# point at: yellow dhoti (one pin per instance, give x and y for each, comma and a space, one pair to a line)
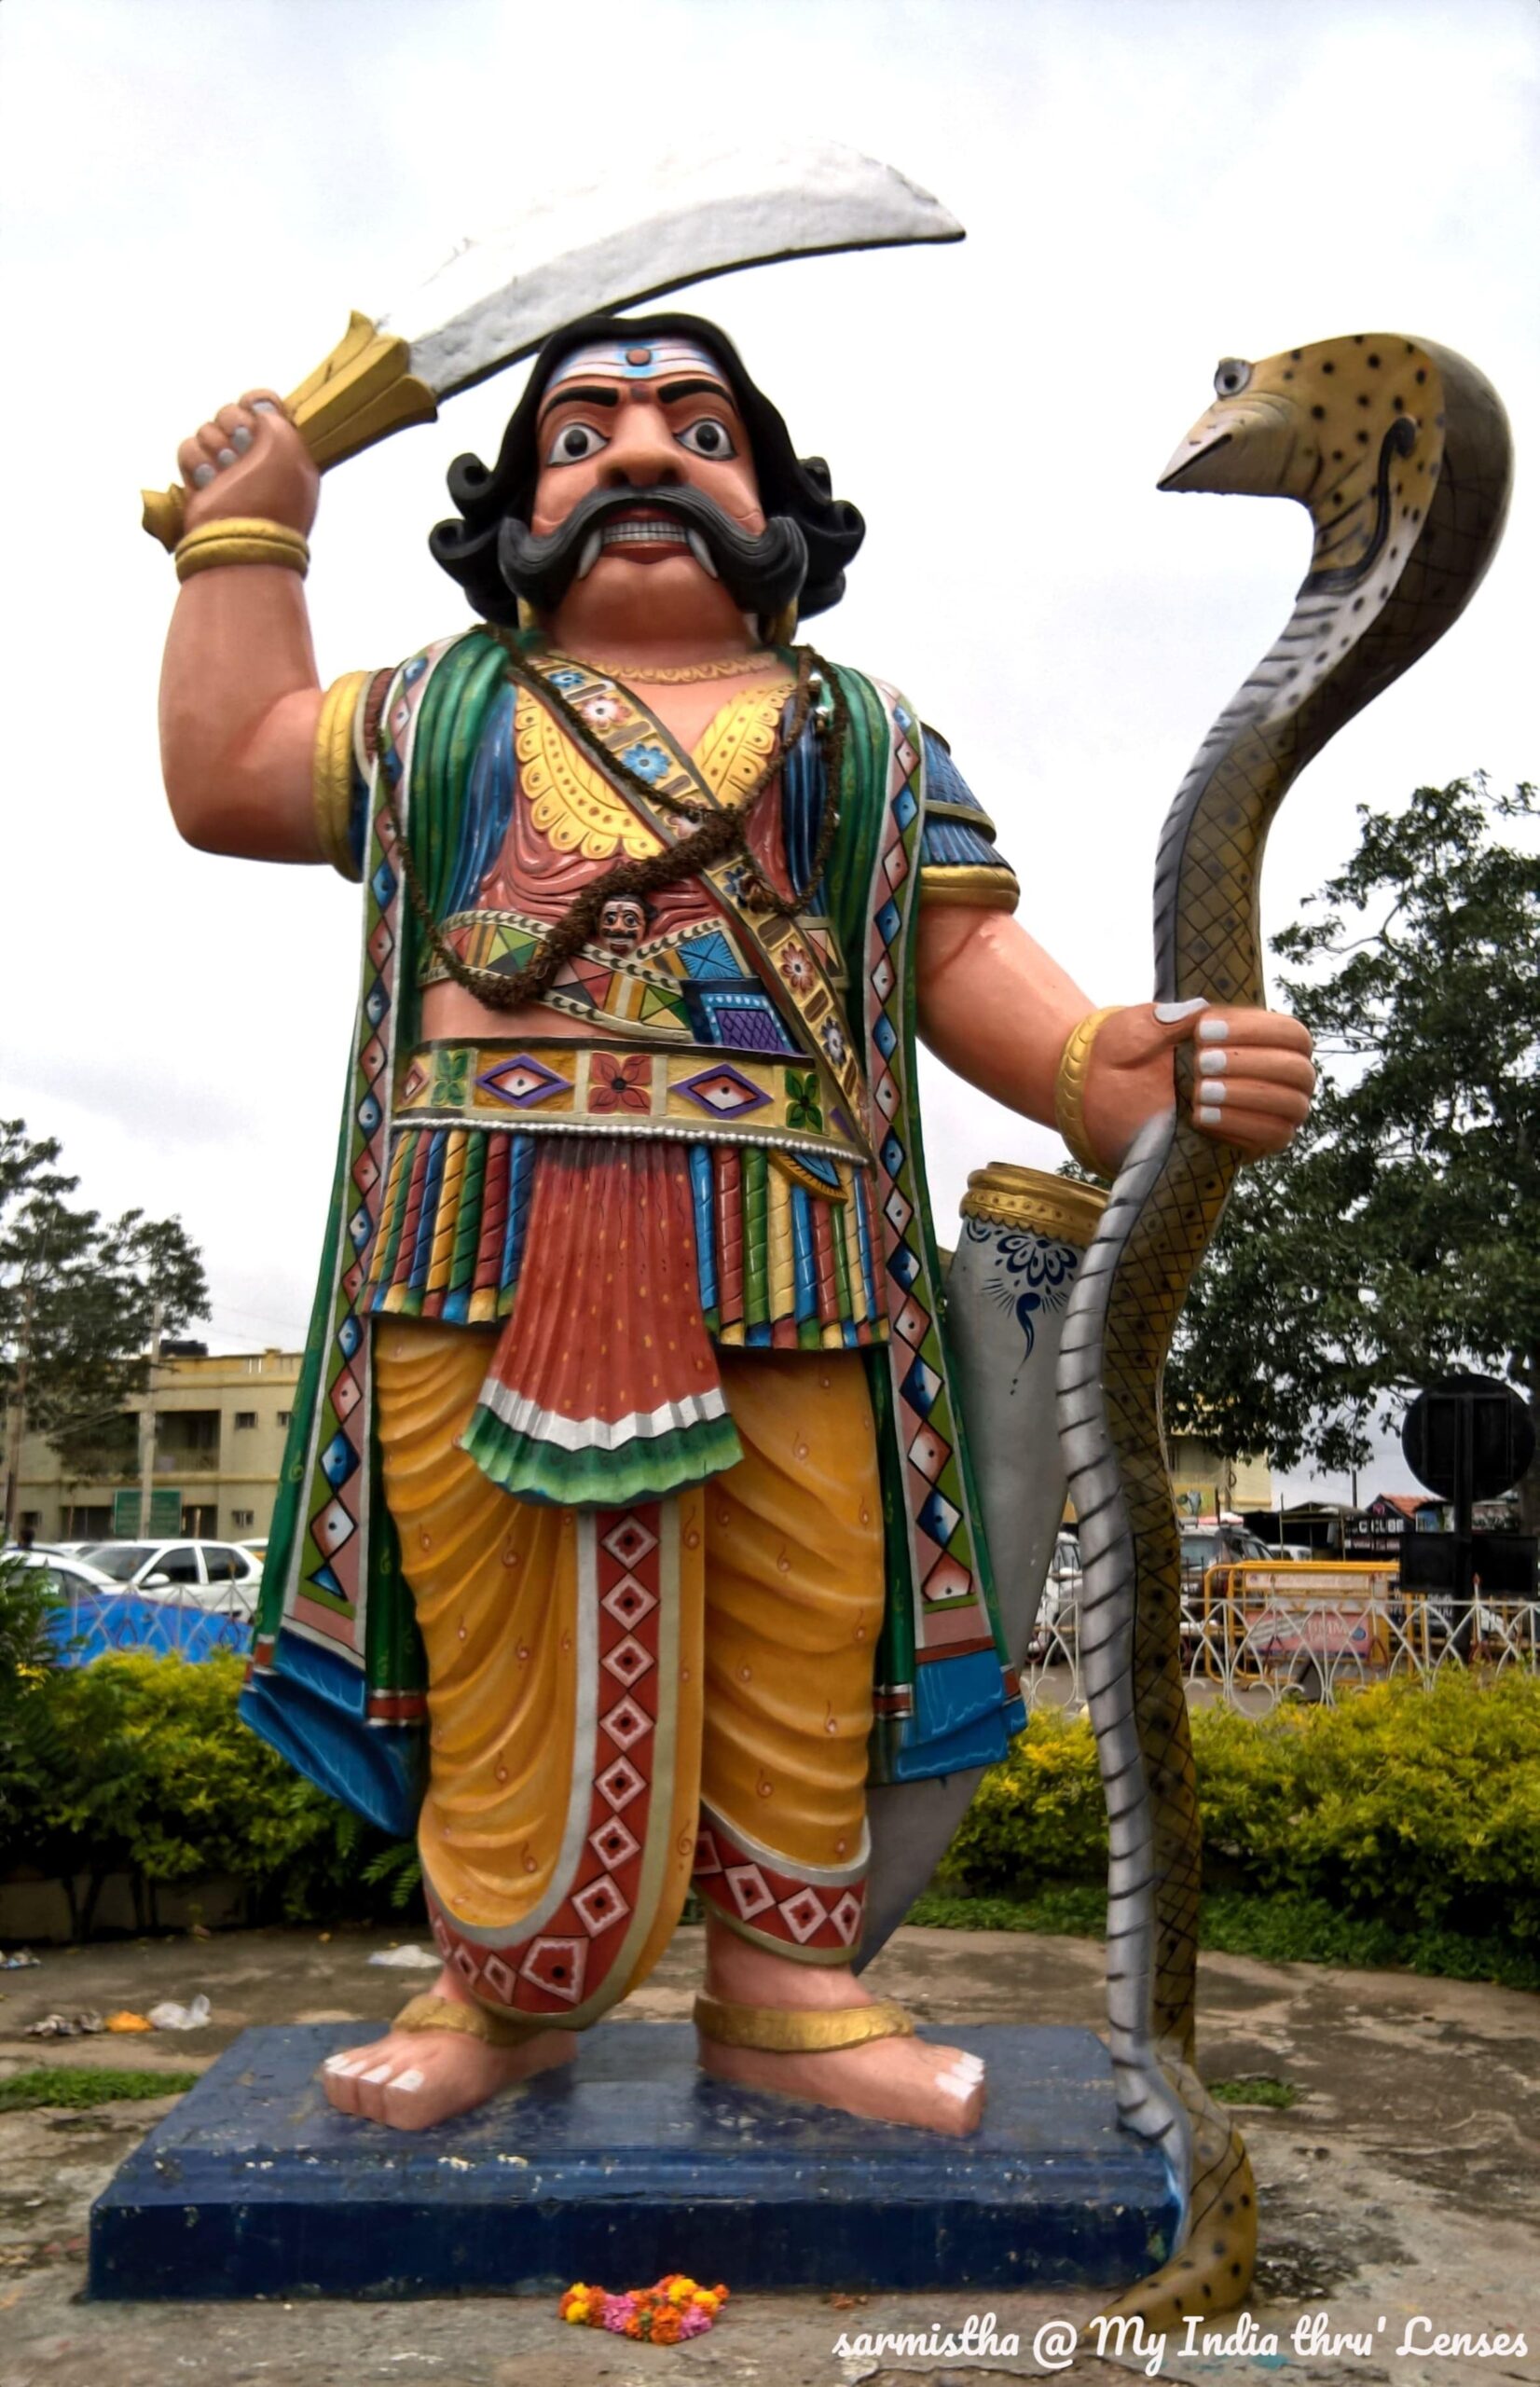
620, 1699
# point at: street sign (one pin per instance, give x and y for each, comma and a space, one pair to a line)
165, 1514
1468, 1438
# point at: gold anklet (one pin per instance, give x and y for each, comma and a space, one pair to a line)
430, 2012
800, 2030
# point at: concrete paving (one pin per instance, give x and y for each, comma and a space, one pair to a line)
1404, 2182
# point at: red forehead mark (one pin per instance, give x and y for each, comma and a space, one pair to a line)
639, 356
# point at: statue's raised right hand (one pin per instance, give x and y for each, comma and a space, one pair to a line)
250, 461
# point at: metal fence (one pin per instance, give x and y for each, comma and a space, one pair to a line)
1252, 1640
102, 1624
1244, 1641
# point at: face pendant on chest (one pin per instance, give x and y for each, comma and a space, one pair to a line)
622, 925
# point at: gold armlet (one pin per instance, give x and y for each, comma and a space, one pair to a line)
433, 2013
1070, 1088
332, 772
241, 539
978, 887
797, 2030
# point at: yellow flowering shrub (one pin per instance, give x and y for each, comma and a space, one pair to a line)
1420, 1807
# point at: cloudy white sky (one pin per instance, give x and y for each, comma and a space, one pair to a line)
195, 195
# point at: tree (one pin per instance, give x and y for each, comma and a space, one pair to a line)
1399, 1237
79, 1299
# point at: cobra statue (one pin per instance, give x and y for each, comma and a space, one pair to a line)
1401, 452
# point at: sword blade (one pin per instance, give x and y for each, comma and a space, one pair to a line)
638, 235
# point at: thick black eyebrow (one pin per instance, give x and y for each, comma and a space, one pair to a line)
669, 393
588, 394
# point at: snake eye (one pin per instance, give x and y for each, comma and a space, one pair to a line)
1232, 376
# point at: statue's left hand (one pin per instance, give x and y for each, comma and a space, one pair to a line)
1252, 1080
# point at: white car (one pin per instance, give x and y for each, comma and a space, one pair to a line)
1059, 1610
217, 1576
69, 1576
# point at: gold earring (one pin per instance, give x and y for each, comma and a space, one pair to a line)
781, 628
527, 617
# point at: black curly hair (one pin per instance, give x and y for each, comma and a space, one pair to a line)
792, 486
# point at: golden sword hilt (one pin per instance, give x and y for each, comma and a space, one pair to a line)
361, 393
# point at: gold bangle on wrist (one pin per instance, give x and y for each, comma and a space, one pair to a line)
1070, 1088
241, 539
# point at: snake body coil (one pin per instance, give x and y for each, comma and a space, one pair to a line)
1401, 452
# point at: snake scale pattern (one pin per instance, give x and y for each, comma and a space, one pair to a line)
1401, 450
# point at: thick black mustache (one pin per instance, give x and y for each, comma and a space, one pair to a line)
761, 574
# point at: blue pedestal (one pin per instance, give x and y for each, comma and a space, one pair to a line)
626, 2165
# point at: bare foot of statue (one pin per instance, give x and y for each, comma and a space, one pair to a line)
411, 2079
898, 2079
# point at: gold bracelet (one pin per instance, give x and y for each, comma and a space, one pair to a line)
331, 773
241, 539
1070, 1088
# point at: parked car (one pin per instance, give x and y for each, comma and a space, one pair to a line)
217, 1575
1206, 1546
69, 1576
1059, 1609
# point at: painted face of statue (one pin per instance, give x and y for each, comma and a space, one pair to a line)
622, 925
648, 486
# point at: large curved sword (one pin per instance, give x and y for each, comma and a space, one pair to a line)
1401, 452
650, 231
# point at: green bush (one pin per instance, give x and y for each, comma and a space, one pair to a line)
1404, 1821
155, 1774
31, 1753
1417, 1809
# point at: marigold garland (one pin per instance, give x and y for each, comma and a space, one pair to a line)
675, 2309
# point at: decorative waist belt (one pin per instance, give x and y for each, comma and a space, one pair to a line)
775, 1265
560, 1086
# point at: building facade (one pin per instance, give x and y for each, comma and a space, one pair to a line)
1208, 1486
220, 1424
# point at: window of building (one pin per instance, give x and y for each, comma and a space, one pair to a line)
245, 1418
242, 1518
88, 1521
187, 1438
285, 1416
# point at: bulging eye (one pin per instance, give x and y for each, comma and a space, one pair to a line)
575, 443
708, 437
1231, 377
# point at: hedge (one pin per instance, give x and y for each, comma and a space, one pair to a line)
1419, 1810
1416, 1808
140, 1765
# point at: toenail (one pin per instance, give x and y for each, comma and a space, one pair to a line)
338, 2063
954, 2084
410, 2080
380, 2071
